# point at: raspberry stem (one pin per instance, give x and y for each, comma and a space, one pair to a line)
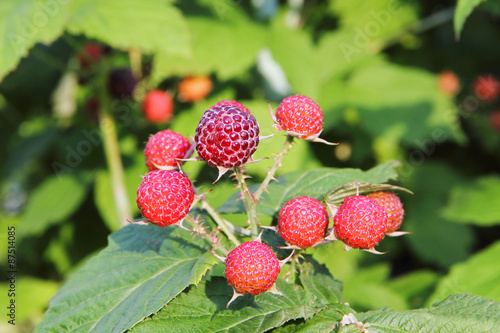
249, 201
220, 222
112, 152
277, 163
198, 229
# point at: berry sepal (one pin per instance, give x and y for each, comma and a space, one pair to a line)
398, 233
140, 221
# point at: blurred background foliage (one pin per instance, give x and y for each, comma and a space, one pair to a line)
373, 66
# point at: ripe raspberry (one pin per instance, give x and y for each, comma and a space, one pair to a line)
165, 196
158, 106
486, 88
303, 222
121, 83
252, 268
233, 103
360, 222
194, 88
165, 148
448, 83
393, 208
300, 116
226, 136
89, 54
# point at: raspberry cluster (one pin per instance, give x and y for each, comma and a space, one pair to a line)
226, 137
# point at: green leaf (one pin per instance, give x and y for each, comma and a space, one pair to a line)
28, 150
314, 183
475, 203
203, 309
368, 289
415, 286
324, 321
463, 10
148, 25
434, 239
292, 49
479, 275
142, 269
403, 104
52, 202
227, 47
25, 23
457, 313
320, 286
374, 20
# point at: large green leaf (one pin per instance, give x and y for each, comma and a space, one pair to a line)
479, 275
52, 202
25, 23
293, 49
314, 183
320, 286
415, 286
374, 20
148, 25
404, 101
463, 10
434, 239
457, 313
369, 289
324, 321
142, 269
476, 203
203, 309
227, 47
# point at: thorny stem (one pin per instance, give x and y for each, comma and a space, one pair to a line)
249, 201
277, 162
112, 151
291, 273
201, 231
220, 222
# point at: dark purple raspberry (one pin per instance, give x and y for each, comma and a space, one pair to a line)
226, 136
121, 83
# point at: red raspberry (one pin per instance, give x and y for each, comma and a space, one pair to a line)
303, 222
448, 83
89, 54
165, 196
158, 106
300, 116
226, 136
252, 268
360, 222
486, 88
165, 148
393, 208
233, 103
194, 88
